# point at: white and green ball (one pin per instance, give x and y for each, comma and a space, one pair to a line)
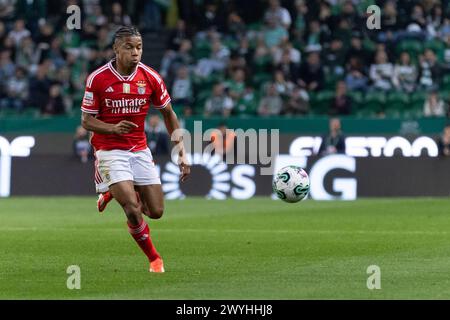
291, 184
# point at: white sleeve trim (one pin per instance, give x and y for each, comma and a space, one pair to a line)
164, 105
89, 111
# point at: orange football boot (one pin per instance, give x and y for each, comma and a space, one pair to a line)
157, 266
103, 199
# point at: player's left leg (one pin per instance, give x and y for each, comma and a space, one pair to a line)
102, 189
148, 185
153, 198
103, 199
105, 196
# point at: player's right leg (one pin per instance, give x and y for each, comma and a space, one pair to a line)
153, 196
104, 196
125, 195
115, 169
148, 186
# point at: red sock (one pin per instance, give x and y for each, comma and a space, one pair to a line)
141, 234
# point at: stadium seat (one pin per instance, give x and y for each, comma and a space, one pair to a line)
396, 103
444, 94
445, 83
437, 46
320, 101
202, 49
365, 113
246, 108
373, 103
413, 47
262, 64
413, 113
256, 26
369, 45
417, 100
208, 82
331, 79
261, 78
202, 96
336, 9
414, 108
231, 44
357, 100
418, 96
362, 5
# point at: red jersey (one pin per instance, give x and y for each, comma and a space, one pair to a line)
113, 98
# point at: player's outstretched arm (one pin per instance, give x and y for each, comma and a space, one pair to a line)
89, 122
172, 124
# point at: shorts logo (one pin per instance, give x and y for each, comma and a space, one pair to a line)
141, 86
126, 88
105, 173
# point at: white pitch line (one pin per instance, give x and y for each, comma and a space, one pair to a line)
387, 232
345, 232
19, 229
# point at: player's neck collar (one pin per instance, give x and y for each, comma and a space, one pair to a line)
118, 75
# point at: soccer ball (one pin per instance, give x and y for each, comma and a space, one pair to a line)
291, 184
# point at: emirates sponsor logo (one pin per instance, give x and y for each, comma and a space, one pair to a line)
136, 102
126, 105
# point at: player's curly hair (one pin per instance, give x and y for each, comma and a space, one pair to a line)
126, 31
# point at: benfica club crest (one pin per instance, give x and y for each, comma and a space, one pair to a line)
141, 86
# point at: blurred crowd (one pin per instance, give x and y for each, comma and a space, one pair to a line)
43, 65
317, 56
238, 57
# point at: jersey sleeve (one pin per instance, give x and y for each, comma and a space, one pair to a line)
160, 97
91, 98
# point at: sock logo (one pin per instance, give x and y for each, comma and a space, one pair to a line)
143, 238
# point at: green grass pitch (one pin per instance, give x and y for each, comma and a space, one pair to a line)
256, 249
